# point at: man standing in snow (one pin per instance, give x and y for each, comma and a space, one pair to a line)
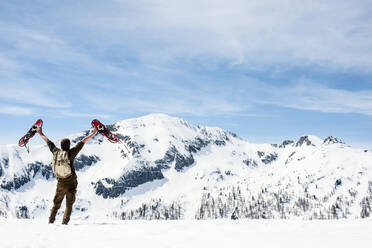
63, 167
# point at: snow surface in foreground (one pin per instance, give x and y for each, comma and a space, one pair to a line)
187, 233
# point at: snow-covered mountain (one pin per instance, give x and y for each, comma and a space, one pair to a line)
176, 170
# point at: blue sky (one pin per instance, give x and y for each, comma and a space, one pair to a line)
266, 70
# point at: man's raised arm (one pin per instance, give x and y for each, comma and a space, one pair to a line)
86, 139
39, 130
51, 145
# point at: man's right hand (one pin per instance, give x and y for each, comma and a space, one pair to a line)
95, 130
39, 130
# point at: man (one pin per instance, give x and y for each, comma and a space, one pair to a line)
65, 186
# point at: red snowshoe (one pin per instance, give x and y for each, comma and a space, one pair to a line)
24, 140
102, 129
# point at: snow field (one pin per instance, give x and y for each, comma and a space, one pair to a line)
187, 233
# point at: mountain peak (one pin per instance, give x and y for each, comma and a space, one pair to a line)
152, 116
309, 140
160, 116
285, 143
332, 140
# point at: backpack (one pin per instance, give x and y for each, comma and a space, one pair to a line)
61, 164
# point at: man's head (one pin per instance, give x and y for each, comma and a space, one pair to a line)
65, 144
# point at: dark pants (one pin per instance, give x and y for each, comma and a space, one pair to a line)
65, 187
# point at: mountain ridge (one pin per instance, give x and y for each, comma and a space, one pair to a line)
178, 170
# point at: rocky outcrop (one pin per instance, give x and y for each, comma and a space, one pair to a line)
267, 158
196, 145
132, 145
4, 164
173, 155
28, 174
332, 140
250, 162
110, 188
286, 143
304, 140
168, 158
85, 161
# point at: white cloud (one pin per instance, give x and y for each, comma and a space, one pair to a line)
310, 96
69, 113
30, 45
7, 64
201, 107
155, 34
166, 97
197, 105
334, 34
33, 93
16, 110
255, 33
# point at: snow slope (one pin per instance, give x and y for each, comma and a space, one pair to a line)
175, 170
